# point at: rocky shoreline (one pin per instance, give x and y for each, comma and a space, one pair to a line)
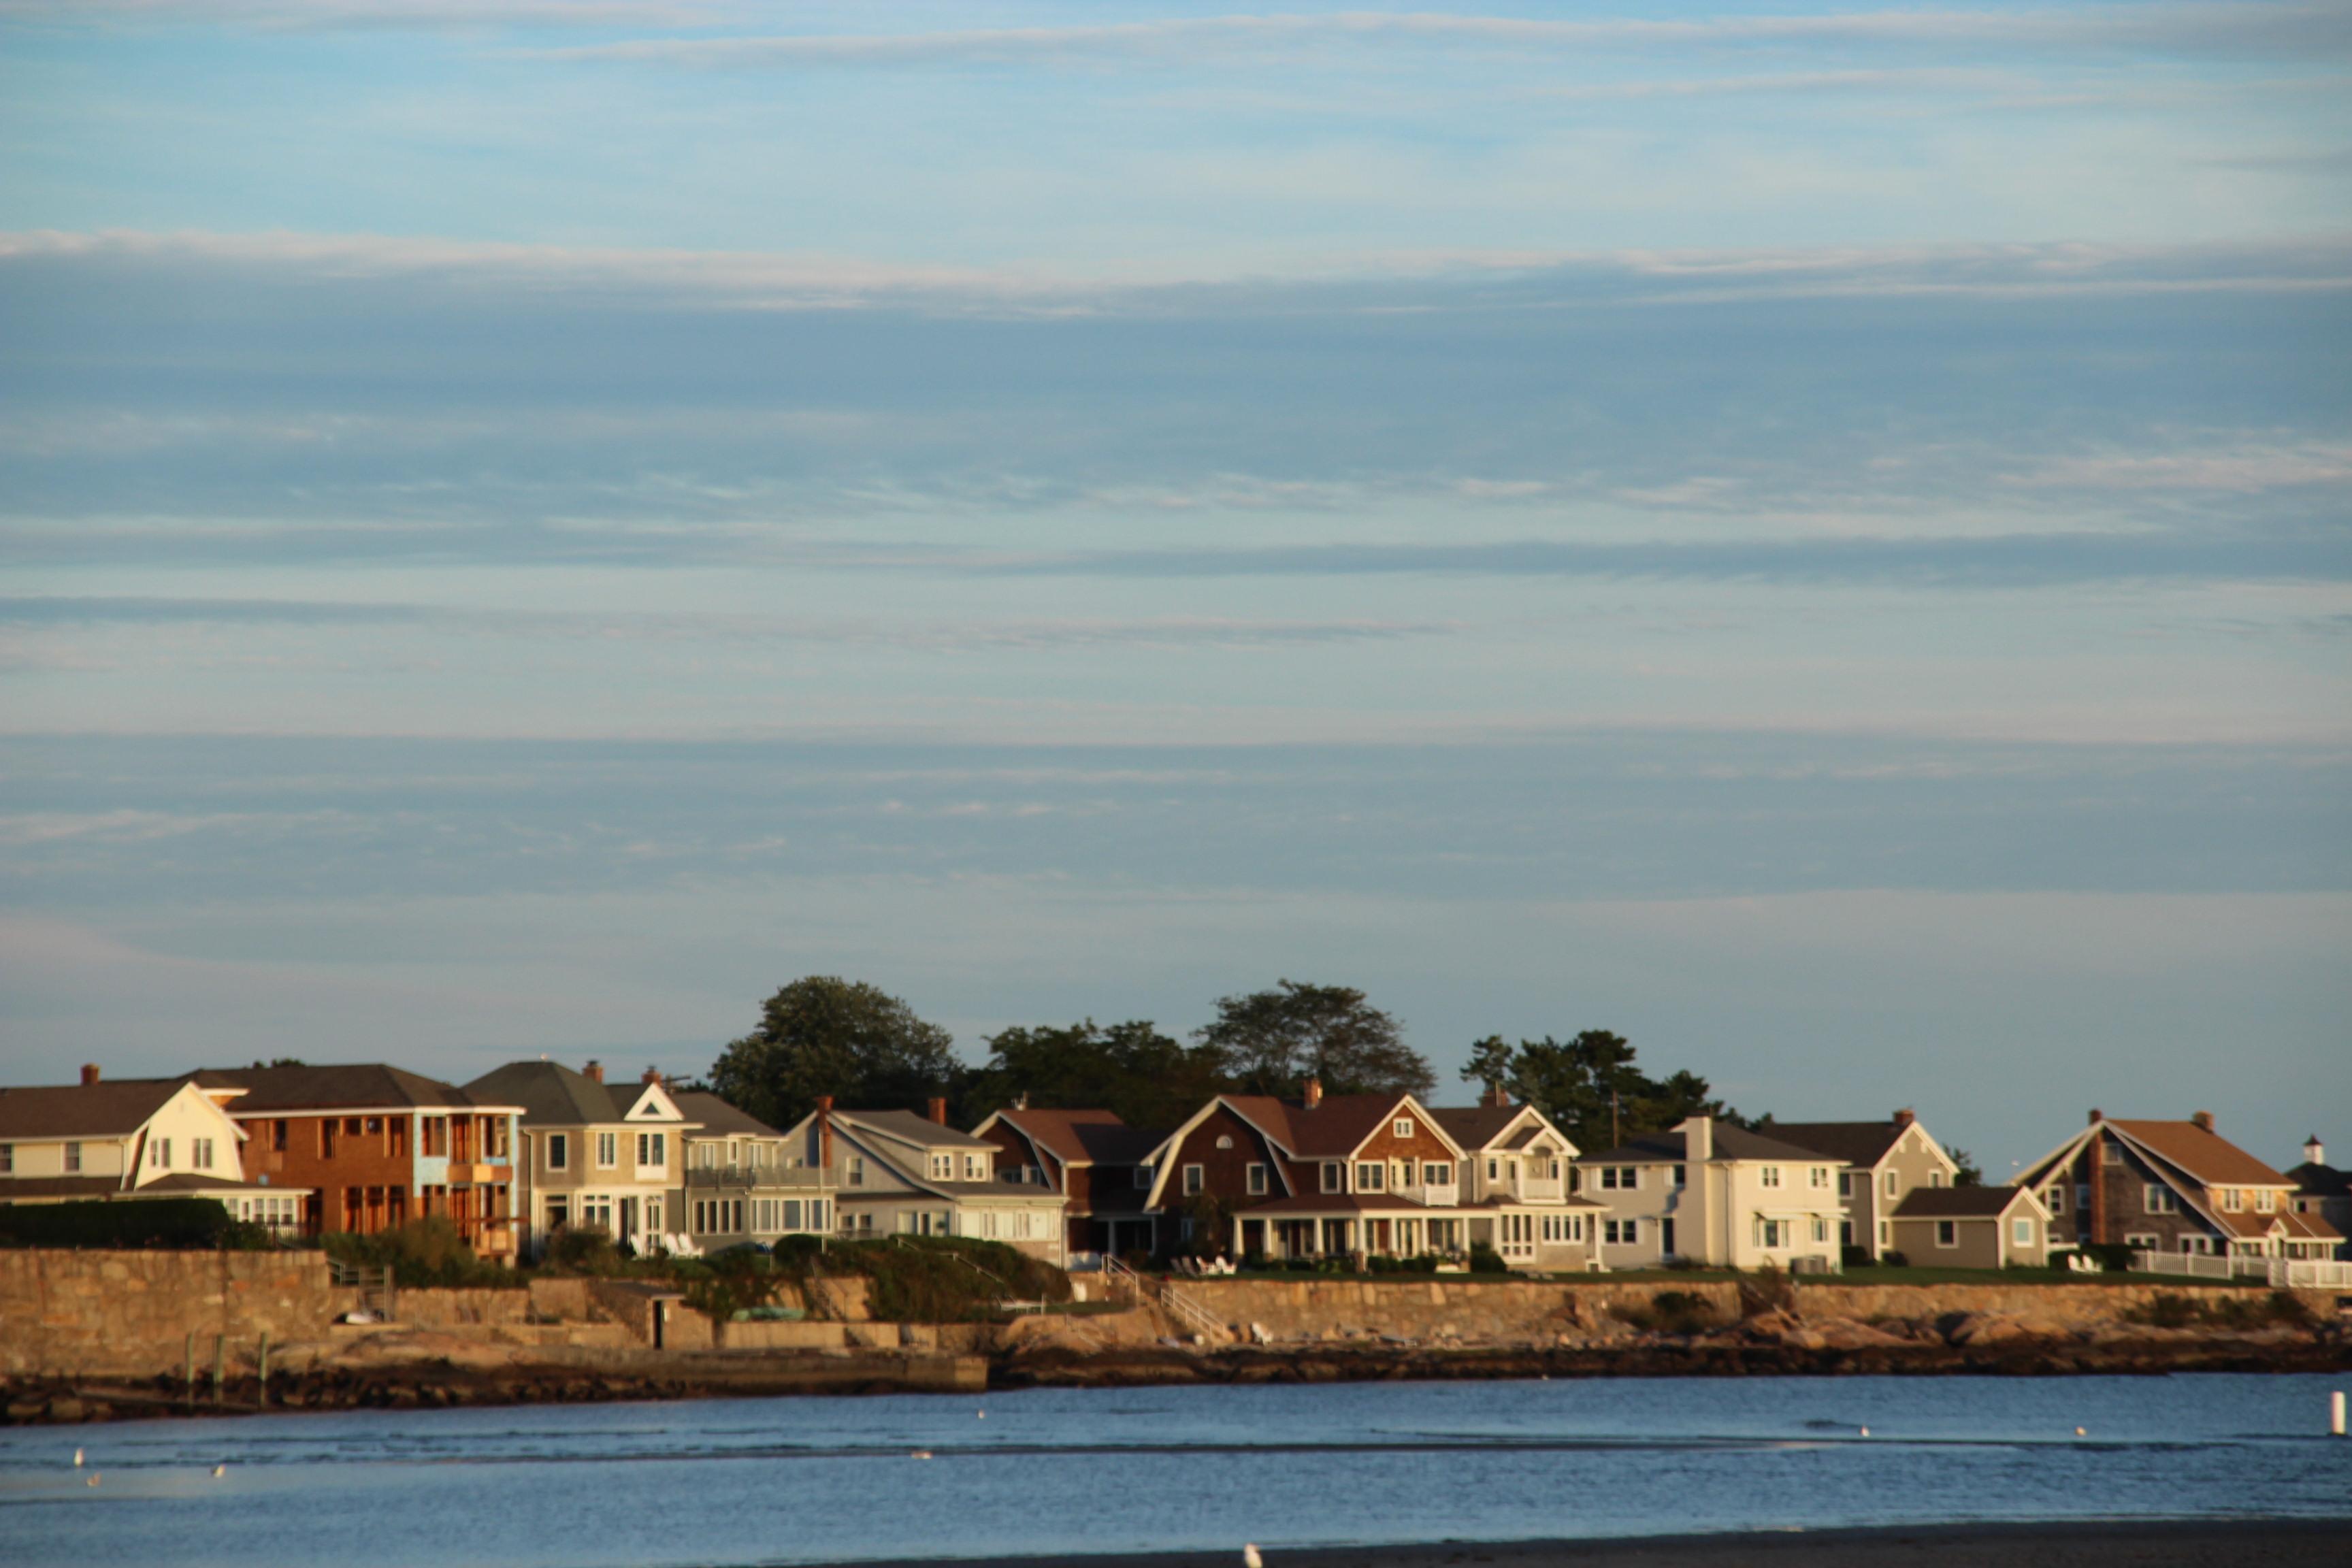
427, 1370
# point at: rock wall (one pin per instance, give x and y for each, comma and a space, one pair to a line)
74, 1313
1482, 1311
2091, 1304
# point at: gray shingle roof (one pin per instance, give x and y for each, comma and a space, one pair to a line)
1860, 1143
82, 1110
271, 1090
551, 1094
717, 1116
913, 1129
1957, 1203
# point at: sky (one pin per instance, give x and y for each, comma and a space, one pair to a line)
1815, 539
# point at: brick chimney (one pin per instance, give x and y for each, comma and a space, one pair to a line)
1313, 1092
2203, 1121
824, 1132
2097, 1116
1497, 1096
939, 1110
595, 1072
89, 1073
2314, 1152
653, 1076
1903, 1118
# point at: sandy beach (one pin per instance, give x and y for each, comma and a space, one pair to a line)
2196, 1544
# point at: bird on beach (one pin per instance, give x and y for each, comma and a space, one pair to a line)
1866, 1431
920, 1453
93, 1480
2080, 1433
76, 1459
219, 1471
1250, 1559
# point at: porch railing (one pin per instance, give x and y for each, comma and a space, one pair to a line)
2279, 1273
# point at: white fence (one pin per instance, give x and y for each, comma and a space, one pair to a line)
2279, 1273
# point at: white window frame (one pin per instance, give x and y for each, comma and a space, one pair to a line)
1437, 1174
2020, 1232
653, 1151
1402, 1126
608, 1151
1893, 1184
2265, 1201
1254, 1178
1372, 1175
1947, 1233
1196, 1180
942, 1168
1335, 1176
2155, 1197
557, 1151
1768, 1175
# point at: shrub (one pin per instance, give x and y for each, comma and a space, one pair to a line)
583, 1250
1896, 1260
1485, 1260
424, 1252
1854, 1256
1668, 1311
183, 1224
940, 1280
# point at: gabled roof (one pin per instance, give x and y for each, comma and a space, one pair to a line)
1731, 1144
272, 1089
1082, 1137
1474, 1126
2205, 1155
551, 1094
1333, 1129
909, 1128
1960, 1203
718, 1117
1861, 1145
82, 1110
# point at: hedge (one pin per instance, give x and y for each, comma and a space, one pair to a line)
177, 1223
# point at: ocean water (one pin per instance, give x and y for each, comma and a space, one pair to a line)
1041, 1472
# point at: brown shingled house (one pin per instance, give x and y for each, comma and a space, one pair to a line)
1099, 1164
1973, 1227
2173, 1187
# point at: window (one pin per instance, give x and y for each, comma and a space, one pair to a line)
327, 1125
1254, 1178
559, 1150
2082, 1196
2110, 1153
2232, 1199
1947, 1233
1893, 1185
278, 1136
1620, 1178
1403, 1126
2057, 1196
2156, 1198
1335, 1176
1769, 1175
1845, 1233
1196, 1180
1681, 1176
2020, 1232
158, 1153
1821, 1228
7, 1157
973, 1170
73, 1157
1821, 1177
1225, 1140
856, 1177
200, 1150
653, 1149
1935, 1178
1620, 1232
2264, 1201
608, 1150
1372, 1177
1771, 1233
942, 1167
1437, 1175
1142, 1178
437, 1138
1845, 1184
1494, 1169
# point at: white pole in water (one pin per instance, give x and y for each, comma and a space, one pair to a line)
2336, 1413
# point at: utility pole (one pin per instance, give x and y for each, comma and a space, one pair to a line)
1616, 1139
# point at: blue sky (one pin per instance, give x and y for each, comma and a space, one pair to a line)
1813, 538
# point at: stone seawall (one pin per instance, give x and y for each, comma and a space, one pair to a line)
70, 1313
1434, 1309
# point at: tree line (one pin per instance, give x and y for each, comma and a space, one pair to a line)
826, 1035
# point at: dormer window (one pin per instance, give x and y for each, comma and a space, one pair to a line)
1403, 1127
942, 1167
2232, 1200
973, 1170
2265, 1201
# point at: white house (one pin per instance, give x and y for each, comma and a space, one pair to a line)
1718, 1196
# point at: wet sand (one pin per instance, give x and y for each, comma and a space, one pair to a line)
2199, 1543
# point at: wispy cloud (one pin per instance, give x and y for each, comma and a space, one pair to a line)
2292, 31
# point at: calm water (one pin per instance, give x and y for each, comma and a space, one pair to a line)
797, 1480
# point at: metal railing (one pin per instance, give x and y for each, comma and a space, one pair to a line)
1186, 1310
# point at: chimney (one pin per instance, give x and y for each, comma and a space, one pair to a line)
89, 1073
1903, 1118
938, 1111
1312, 1092
824, 1132
2097, 1116
2203, 1121
653, 1076
1497, 1096
1698, 1139
1021, 1100
2314, 1152
595, 1072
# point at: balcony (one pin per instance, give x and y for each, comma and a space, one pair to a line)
757, 1178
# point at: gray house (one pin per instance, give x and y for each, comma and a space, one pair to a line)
893, 1173
1885, 1161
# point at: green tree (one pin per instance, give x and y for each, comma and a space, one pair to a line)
1591, 1087
1147, 1078
823, 1035
1272, 1042
1970, 1174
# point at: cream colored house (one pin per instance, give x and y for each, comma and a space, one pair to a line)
1515, 1186
1885, 1163
895, 1173
144, 1138
743, 1181
1718, 1196
594, 1157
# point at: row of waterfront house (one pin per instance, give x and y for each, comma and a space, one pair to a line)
534, 1149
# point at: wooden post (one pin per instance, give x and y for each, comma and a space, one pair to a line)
2336, 1413
220, 1367
188, 1373
261, 1370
